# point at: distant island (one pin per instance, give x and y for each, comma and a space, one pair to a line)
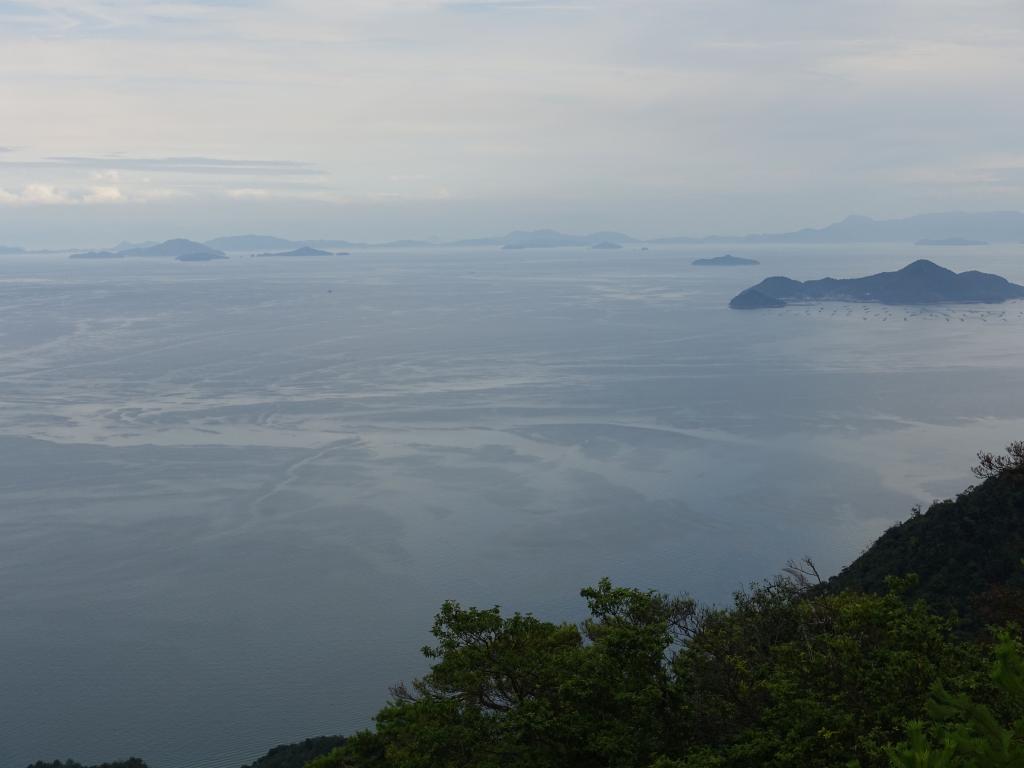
725, 261
547, 238
606, 245
922, 282
951, 241
173, 249
96, 255
201, 256
303, 251
950, 228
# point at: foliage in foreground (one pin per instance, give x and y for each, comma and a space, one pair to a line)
793, 674
131, 762
298, 754
782, 679
963, 733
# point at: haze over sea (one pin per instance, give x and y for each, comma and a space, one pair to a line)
241, 489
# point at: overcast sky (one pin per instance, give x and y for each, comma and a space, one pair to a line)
379, 119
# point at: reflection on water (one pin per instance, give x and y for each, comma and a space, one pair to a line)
235, 493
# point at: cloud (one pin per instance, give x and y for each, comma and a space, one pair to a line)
209, 165
102, 195
515, 5
49, 195
660, 115
249, 193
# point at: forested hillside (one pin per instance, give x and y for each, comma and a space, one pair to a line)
965, 552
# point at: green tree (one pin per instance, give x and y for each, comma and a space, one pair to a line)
790, 679
964, 733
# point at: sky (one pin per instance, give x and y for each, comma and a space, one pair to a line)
386, 119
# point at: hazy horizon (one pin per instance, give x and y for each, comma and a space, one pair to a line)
950, 229
238, 489
444, 119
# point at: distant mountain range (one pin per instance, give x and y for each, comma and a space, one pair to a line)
922, 282
953, 228
932, 229
994, 226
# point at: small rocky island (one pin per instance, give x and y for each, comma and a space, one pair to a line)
922, 282
303, 251
200, 256
725, 261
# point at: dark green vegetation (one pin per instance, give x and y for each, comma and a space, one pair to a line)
966, 552
131, 762
911, 657
298, 754
964, 732
922, 282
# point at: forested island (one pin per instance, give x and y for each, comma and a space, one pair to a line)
921, 282
911, 657
303, 251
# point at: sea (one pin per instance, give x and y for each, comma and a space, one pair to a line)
234, 494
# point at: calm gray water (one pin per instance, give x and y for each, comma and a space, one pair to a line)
235, 493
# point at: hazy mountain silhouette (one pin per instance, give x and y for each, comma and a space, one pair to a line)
173, 249
124, 245
951, 228
995, 226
